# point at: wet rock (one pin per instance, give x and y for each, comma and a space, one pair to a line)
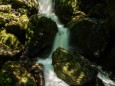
37, 71
73, 68
13, 74
90, 36
40, 35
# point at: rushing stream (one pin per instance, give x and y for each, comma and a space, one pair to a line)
61, 40
105, 77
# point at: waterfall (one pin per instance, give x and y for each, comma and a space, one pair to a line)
61, 40
105, 77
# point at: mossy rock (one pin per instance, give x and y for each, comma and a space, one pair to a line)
9, 46
4, 18
72, 68
40, 34
66, 9
28, 6
13, 74
5, 8
9, 40
16, 25
21, 3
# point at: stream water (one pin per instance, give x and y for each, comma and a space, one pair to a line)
61, 40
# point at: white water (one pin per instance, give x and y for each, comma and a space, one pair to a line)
105, 78
61, 40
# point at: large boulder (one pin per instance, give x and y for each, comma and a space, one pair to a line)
13, 74
40, 35
73, 68
90, 37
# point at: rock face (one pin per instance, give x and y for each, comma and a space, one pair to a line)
13, 74
73, 68
40, 34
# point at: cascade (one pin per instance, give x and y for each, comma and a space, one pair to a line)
61, 40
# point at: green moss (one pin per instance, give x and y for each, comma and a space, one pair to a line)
5, 81
23, 21
10, 40
72, 68
13, 74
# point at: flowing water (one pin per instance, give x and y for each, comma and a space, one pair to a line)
61, 40
105, 78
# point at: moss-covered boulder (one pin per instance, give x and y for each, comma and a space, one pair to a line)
90, 36
40, 34
73, 68
66, 10
30, 6
13, 74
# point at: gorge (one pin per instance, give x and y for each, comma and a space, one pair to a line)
57, 43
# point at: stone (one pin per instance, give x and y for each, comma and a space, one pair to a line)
13, 74
74, 69
40, 35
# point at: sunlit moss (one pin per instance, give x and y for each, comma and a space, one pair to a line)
81, 77
23, 21
9, 39
73, 69
14, 74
